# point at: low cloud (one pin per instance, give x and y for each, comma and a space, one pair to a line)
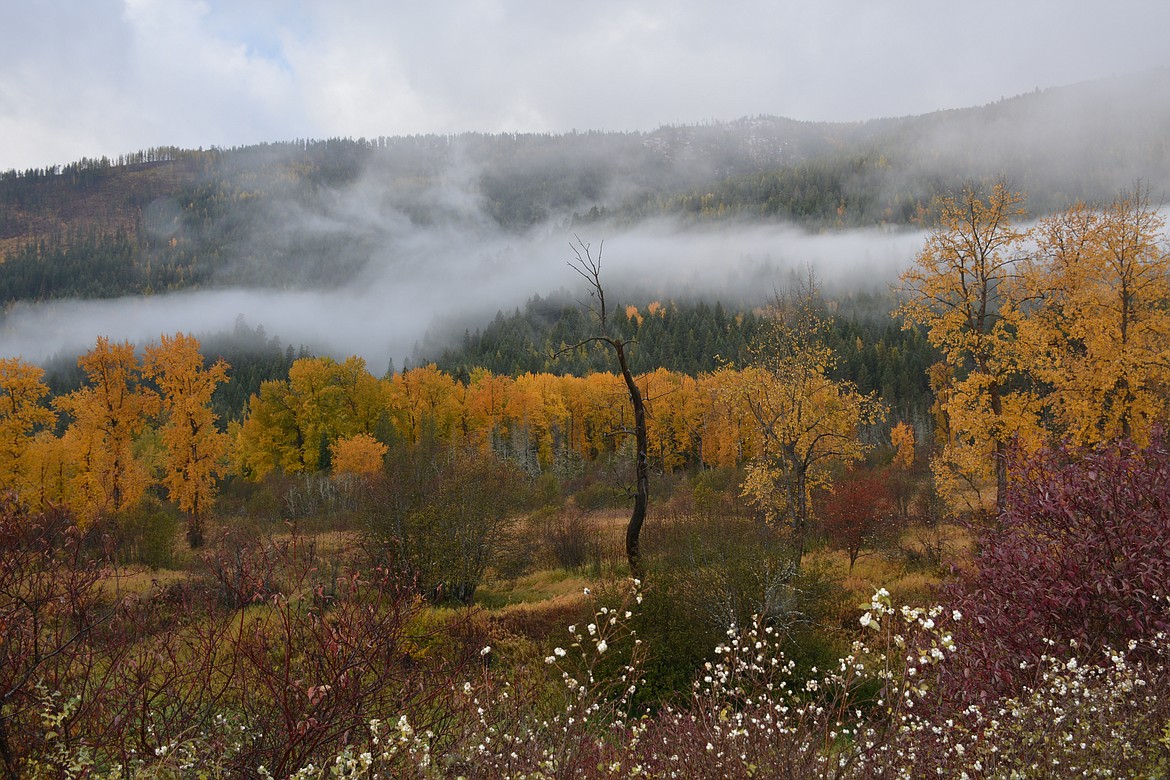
441, 279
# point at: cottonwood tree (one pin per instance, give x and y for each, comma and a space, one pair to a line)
195, 448
962, 288
1099, 336
589, 268
808, 422
292, 423
360, 455
108, 413
21, 413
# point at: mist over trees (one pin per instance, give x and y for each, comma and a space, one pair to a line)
314, 213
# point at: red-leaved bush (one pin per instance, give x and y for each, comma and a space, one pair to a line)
1079, 562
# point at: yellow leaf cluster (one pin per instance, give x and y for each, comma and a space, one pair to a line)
360, 455
195, 448
108, 413
22, 412
1059, 332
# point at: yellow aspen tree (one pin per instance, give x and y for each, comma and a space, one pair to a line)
605, 417
270, 436
1101, 337
526, 422
902, 437
362, 398
359, 455
316, 400
422, 404
657, 391
726, 437
554, 391
108, 414
49, 469
195, 448
808, 422
961, 289
686, 420
22, 414
485, 405
291, 424
673, 417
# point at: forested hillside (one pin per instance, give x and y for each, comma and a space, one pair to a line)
312, 213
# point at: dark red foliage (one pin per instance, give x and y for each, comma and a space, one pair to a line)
50, 610
857, 512
1080, 560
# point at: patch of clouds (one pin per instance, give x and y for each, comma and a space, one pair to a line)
112, 76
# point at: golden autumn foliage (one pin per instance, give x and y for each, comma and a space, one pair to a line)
49, 470
22, 413
360, 455
108, 413
1101, 336
422, 405
533, 420
1058, 333
195, 450
902, 438
807, 422
291, 423
963, 289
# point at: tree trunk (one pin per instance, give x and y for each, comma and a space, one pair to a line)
799, 497
1001, 475
194, 531
641, 467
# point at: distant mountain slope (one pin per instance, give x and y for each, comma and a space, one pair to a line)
312, 214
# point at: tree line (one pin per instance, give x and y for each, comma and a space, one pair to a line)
1057, 333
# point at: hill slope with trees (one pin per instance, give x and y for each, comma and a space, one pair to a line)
311, 213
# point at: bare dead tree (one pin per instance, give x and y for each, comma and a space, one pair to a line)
589, 268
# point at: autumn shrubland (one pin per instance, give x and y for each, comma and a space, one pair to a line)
424, 574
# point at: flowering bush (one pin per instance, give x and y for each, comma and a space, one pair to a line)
873, 715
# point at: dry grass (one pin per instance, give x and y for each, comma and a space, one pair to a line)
139, 580
539, 586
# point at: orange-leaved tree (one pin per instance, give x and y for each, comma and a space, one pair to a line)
22, 414
360, 455
195, 448
108, 412
1101, 336
963, 289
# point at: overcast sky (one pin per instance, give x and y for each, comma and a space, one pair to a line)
92, 77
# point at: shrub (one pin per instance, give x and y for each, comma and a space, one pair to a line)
710, 573
146, 534
1081, 557
599, 495
859, 512
51, 606
445, 517
571, 539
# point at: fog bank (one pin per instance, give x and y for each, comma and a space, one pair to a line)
461, 279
